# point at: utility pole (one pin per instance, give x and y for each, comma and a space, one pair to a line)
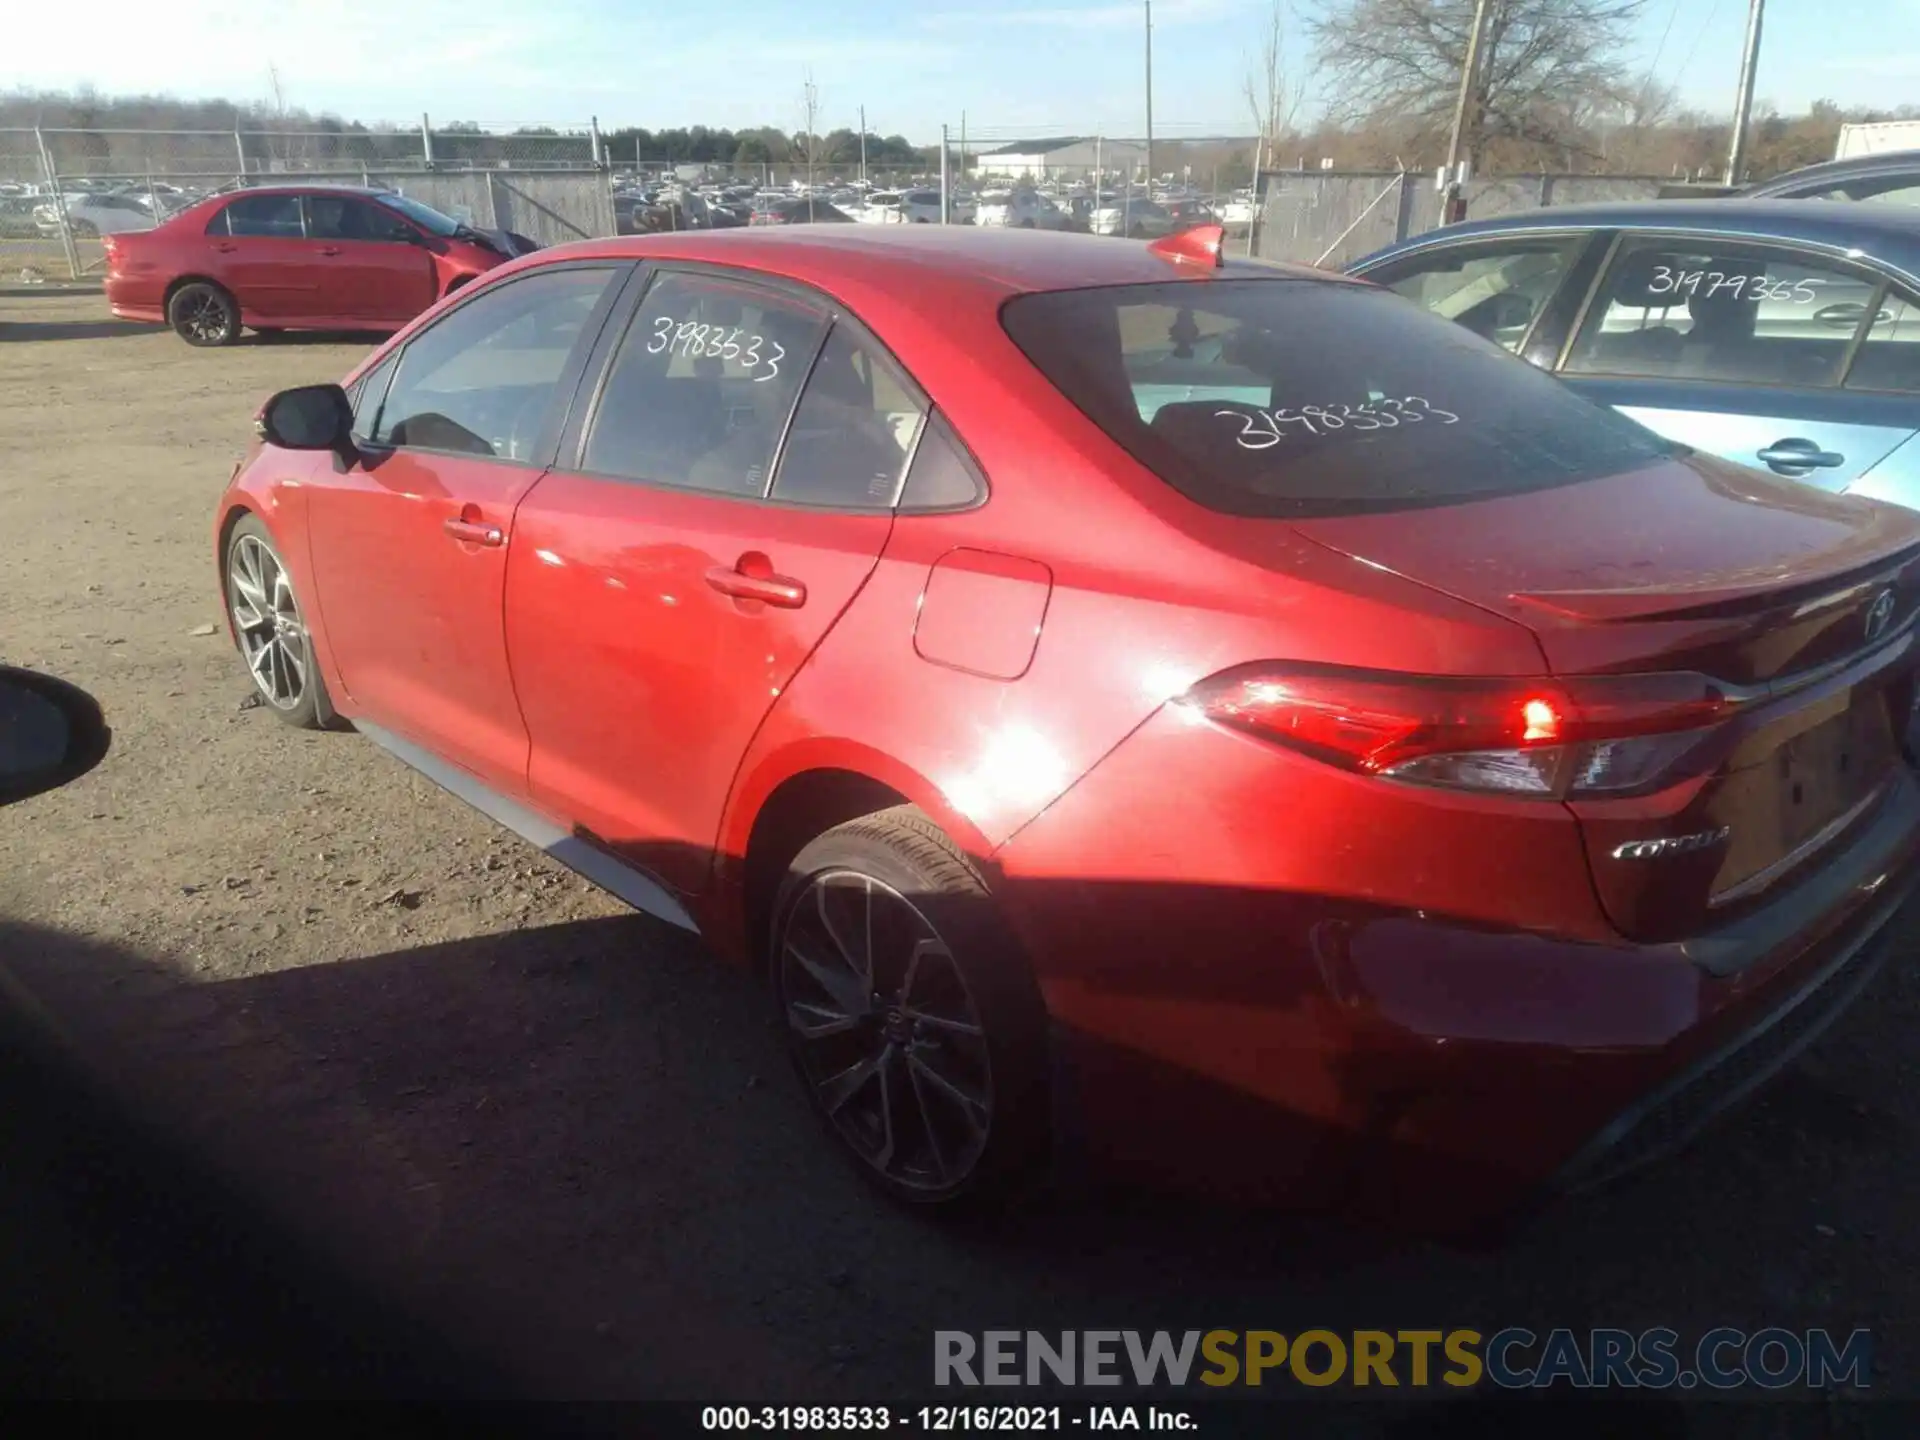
863, 145
1467, 110
963, 147
1149, 98
1743, 104
943, 174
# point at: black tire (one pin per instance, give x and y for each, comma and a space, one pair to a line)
204, 314
913, 1133
242, 582
1138, 232
1026, 224
268, 332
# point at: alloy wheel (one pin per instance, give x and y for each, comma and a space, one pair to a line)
885, 1031
204, 317
266, 617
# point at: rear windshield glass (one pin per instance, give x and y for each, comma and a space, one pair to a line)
1299, 397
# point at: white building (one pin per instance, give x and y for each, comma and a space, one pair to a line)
1068, 157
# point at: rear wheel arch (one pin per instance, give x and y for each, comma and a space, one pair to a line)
456, 283
803, 807
180, 282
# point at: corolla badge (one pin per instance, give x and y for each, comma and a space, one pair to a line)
1879, 615
1671, 845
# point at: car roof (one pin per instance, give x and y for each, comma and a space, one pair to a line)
1881, 162
993, 262
1889, 233
302, 187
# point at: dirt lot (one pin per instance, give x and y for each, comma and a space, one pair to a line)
557, 1134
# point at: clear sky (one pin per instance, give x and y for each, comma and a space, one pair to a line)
1049, 67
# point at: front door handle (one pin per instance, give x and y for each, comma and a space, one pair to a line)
1798, 456
226, 247
751, 577
474, 532
329, 249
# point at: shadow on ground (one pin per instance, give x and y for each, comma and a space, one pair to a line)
575, 1151
17, 330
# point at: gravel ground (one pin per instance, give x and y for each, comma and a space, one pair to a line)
560, 1137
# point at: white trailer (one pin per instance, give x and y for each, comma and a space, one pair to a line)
1878, 138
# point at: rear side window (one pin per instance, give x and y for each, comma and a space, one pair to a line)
1889, 359
703, 385
1721, 311
271, 216
854, 431
1301, 397
943, 475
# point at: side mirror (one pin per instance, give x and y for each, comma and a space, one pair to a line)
50, 733
309, 417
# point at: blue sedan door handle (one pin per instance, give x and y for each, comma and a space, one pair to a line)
1796, 457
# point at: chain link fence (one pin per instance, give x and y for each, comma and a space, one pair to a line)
62, 190
1332, 217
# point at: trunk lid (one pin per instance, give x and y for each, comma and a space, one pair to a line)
1801, 604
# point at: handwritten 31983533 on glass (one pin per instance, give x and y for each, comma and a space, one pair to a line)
1263, 429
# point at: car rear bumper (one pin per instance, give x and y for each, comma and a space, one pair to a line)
1266, 1043
134, 297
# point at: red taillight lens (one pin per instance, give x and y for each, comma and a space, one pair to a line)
1589, 735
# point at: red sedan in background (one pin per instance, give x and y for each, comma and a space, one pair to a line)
309, 257
1213, 718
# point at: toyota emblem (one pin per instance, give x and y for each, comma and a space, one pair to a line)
1879, 615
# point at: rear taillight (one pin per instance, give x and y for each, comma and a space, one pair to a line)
1589, 735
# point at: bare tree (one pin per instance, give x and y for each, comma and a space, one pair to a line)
1396, 65
1273, 101
809, 132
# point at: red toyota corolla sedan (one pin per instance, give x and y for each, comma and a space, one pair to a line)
1212, 720
311, 257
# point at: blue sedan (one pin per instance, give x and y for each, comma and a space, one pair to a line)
1776, 333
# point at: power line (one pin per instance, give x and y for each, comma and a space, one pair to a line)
1661, 48
1686, 64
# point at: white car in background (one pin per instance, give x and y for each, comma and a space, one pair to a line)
92, 214
1132, 215
912, 207
1021, 210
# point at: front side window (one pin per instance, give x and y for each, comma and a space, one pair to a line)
343, 217
263, 216
369, 391
703, 384
1290, 397
482, 380
425, 216
854, 430
1889, 190
1720, 311
1495, 291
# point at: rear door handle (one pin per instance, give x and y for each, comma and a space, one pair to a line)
226, 247
1798, 454
474, 532
752, 578
329, 249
